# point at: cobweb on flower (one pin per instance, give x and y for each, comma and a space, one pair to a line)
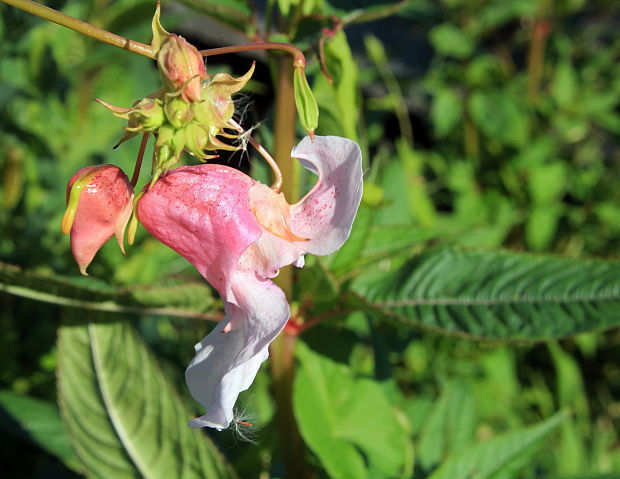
243, 104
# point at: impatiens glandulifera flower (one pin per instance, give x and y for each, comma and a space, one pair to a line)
99, 204
238, 233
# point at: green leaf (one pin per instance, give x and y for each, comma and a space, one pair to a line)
343, 419
339, 100
189, 300
450, 425
505, 454
285, 6
565, 87
307, 108
123, 415
40, 422
541, 226
233, 13
451, 41
498, 294
446, 111
500, 116
547, 183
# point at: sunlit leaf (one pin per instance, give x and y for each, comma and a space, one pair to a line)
485, 294
191, 299
123, 415
343, 418
339, 100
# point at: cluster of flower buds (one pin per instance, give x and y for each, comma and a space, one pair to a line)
190, 111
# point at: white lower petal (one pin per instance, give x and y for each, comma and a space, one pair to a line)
226, 363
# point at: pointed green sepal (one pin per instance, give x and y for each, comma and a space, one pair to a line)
160, 35
116, 110
132, 226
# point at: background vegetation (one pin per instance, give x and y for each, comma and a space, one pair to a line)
464, 331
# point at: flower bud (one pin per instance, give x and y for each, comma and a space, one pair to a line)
178, 112
99, 203
196, 140
217, 106
147, 114
182, 67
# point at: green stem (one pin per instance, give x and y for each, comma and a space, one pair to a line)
79, 26
299, 60
283, 349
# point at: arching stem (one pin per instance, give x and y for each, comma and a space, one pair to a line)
277, 184
79, 26
299, 60
136, 169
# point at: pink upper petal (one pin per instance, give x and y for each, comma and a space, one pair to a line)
325, 215
202, 213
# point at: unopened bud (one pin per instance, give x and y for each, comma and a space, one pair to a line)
148, 114
99, 203
178, 112
182, 67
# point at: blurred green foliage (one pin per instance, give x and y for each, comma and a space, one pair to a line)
485, 124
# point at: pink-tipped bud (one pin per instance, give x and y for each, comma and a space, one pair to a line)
99, 204
182, 67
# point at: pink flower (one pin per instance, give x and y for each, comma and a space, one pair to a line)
99, 203
238, 233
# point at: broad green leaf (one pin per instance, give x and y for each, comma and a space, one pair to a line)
502, 456
39, 421
190, 299
497, 294
237, 14
343, 419
124, 418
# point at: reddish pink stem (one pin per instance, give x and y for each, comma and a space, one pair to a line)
136, 170
299, 60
